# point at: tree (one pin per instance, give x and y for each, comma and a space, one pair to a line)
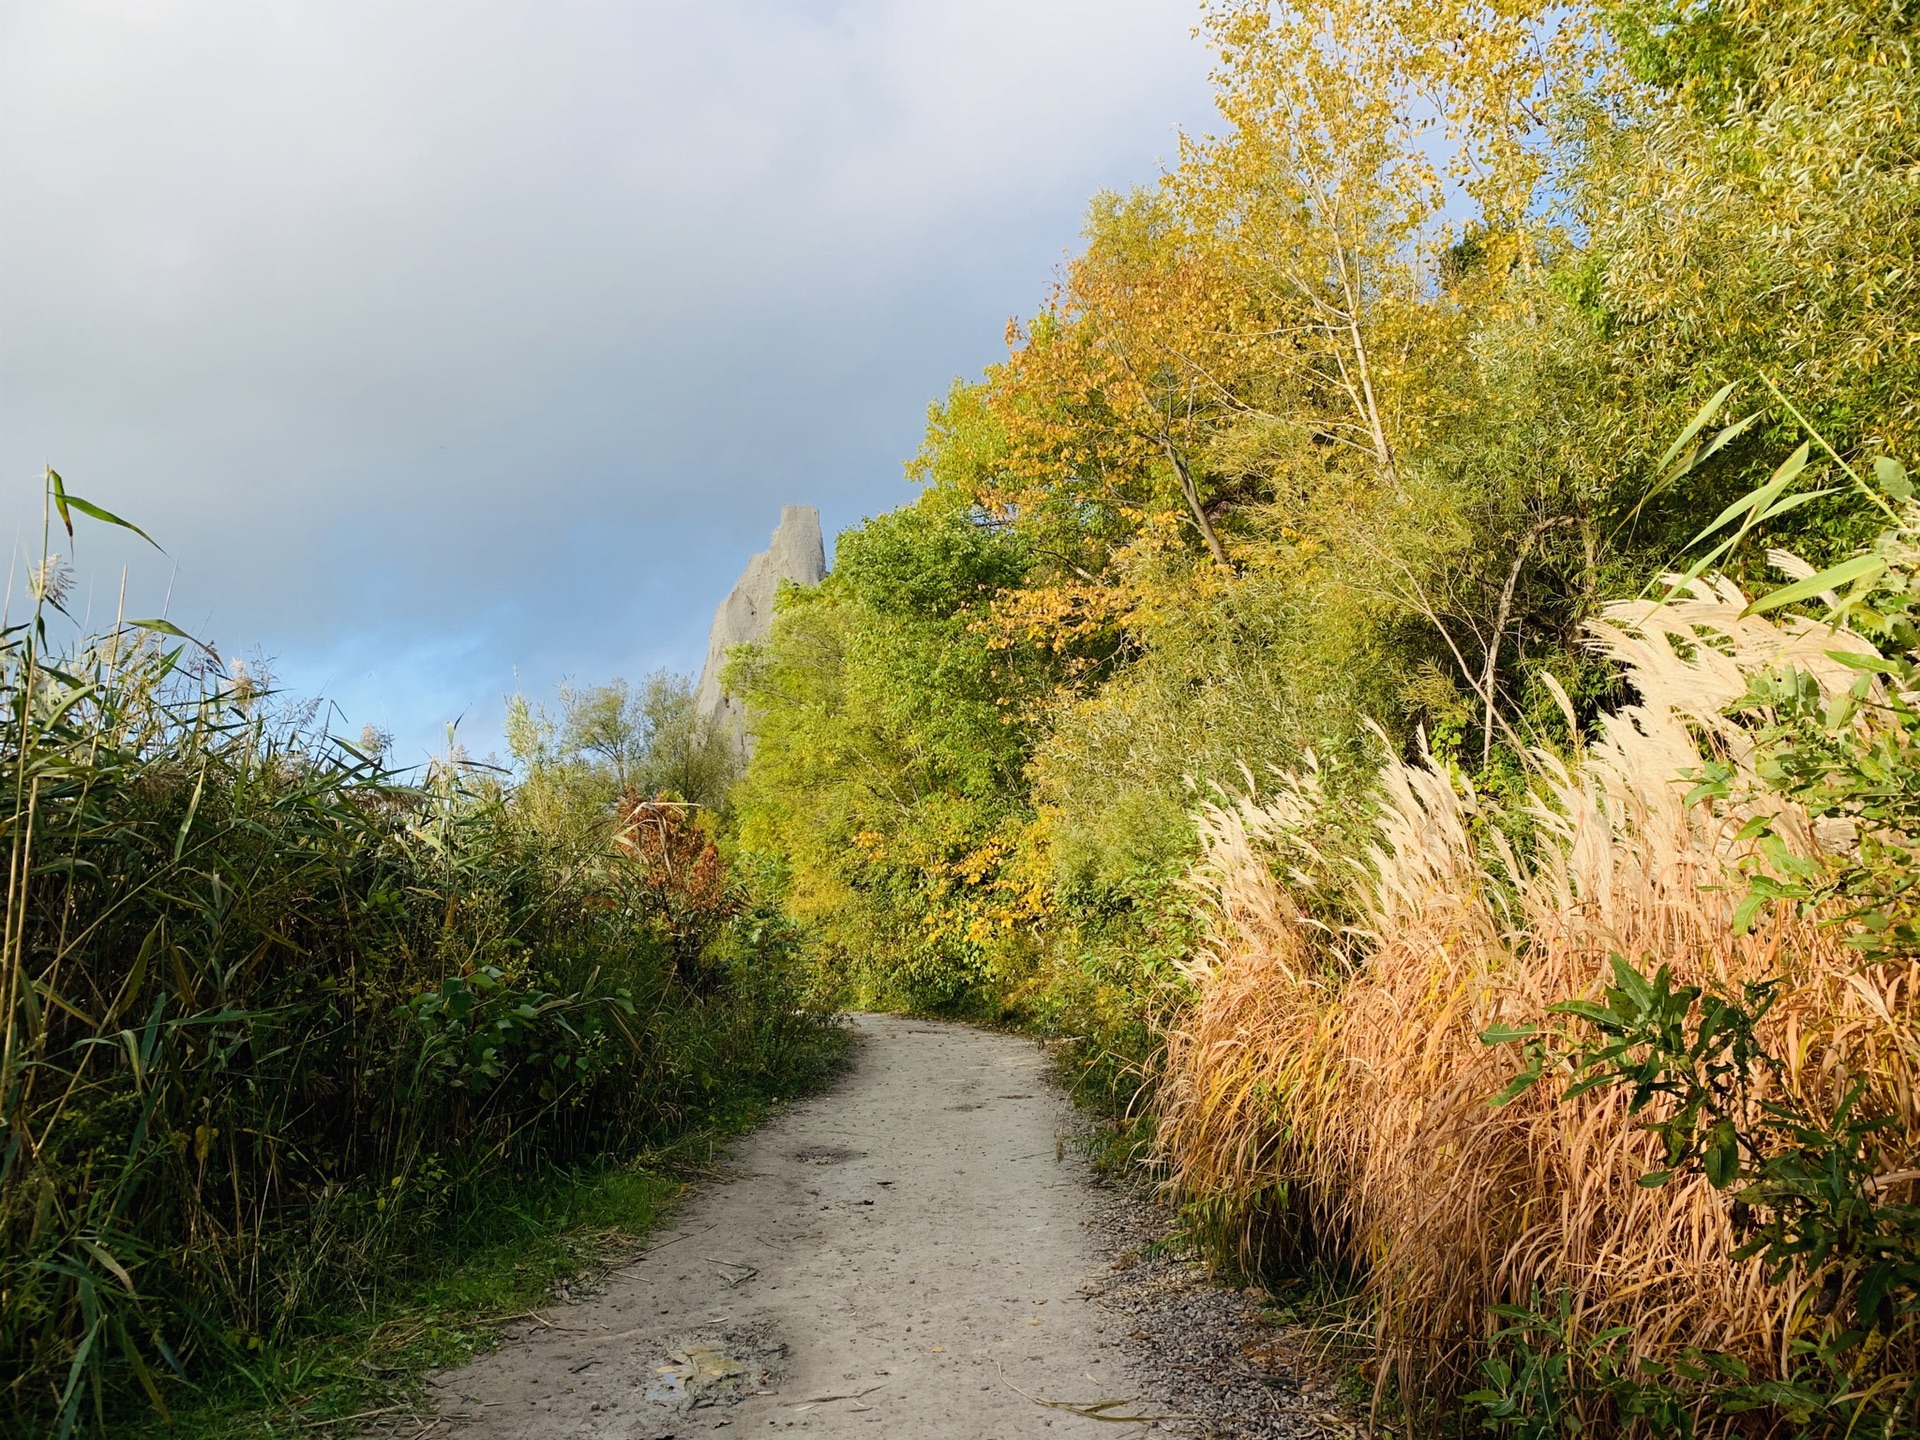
607, 722
887, 782
609, 742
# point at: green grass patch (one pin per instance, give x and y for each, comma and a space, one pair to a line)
501, 1255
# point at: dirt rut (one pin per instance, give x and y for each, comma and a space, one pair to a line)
906, 1255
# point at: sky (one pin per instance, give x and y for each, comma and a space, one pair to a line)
454, 348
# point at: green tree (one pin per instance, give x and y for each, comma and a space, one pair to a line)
610, 740
887, 778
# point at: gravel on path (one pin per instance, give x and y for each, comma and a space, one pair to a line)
918, 1253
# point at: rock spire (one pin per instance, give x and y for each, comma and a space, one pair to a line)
797, 553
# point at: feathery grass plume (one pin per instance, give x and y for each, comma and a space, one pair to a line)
1355, 1081
50, 581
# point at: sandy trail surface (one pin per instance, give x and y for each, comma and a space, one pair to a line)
907, 1255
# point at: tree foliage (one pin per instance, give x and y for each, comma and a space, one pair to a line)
1346, 421
891, 736
610, 741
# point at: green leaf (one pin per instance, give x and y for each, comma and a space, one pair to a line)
65, 503
1667, 473
142, 1372
1753, 504
1698, 568
1515, 1088
1860, 567
167, 627
1891, 476
1631, 982
1702, 418
1878, 664
1749, 907
1720, 442
1728, 1365
71, 698
58, 487
1592, 1082
1708, 791
1774, 847
1654, 1179
1722, 1160
70, 1396
1585, 1010
186, 822
105, 1257
1505, 1034
1794, 502
161, 627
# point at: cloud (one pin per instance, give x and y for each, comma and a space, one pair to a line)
439, 342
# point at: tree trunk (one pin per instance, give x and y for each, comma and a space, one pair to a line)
1191, 493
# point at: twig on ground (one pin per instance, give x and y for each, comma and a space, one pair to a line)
343, 1419
1093, 1411
828, 1399
688, 1235
533, 1315
733, 1280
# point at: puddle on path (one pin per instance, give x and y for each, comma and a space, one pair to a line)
699, 1373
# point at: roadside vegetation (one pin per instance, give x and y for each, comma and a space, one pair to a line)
291, 1039
1407, 668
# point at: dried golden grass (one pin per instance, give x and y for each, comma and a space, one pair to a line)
1360, 1081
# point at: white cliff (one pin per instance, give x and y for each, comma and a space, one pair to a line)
797, 553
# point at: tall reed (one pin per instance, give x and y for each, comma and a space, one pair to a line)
1335, 1077
266, 1011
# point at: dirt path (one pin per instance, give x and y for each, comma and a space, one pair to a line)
907, 1256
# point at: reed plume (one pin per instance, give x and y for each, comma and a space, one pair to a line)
1341, 1074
